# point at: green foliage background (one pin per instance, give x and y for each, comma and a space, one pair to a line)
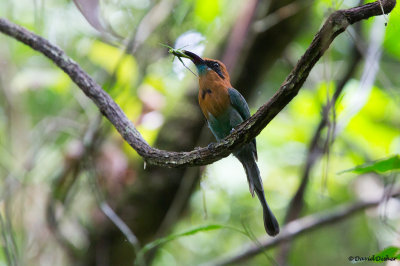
42, 115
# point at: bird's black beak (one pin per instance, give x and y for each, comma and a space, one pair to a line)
197, 60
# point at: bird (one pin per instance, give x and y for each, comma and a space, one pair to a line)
224, 108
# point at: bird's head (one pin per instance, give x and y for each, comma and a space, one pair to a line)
209, 68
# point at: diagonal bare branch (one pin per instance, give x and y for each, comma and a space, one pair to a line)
336, 23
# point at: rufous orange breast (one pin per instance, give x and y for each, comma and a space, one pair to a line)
213, 94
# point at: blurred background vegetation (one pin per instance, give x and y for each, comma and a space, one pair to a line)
64, 170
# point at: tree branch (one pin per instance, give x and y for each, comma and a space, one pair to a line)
335, 24
301, 226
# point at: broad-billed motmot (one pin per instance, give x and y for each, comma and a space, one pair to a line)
225, 108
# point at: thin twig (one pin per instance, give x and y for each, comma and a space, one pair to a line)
248, 130
383, 13
110, 213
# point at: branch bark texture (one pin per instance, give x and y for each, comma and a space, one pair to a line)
336, 23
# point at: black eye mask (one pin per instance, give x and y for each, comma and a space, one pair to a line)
216, 67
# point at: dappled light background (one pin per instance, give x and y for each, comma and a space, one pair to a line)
69, 185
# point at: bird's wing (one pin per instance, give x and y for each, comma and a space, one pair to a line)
239, 103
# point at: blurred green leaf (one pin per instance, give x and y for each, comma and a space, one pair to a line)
392, 37
207, 10
169, 238
388, 253
190, 232
381, 166
109, 58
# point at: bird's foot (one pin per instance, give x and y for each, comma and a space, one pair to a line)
211, 146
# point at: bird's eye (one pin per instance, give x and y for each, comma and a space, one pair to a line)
215, 66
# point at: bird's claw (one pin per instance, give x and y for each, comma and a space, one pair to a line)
211, 146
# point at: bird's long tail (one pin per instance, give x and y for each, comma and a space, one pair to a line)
255, 184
